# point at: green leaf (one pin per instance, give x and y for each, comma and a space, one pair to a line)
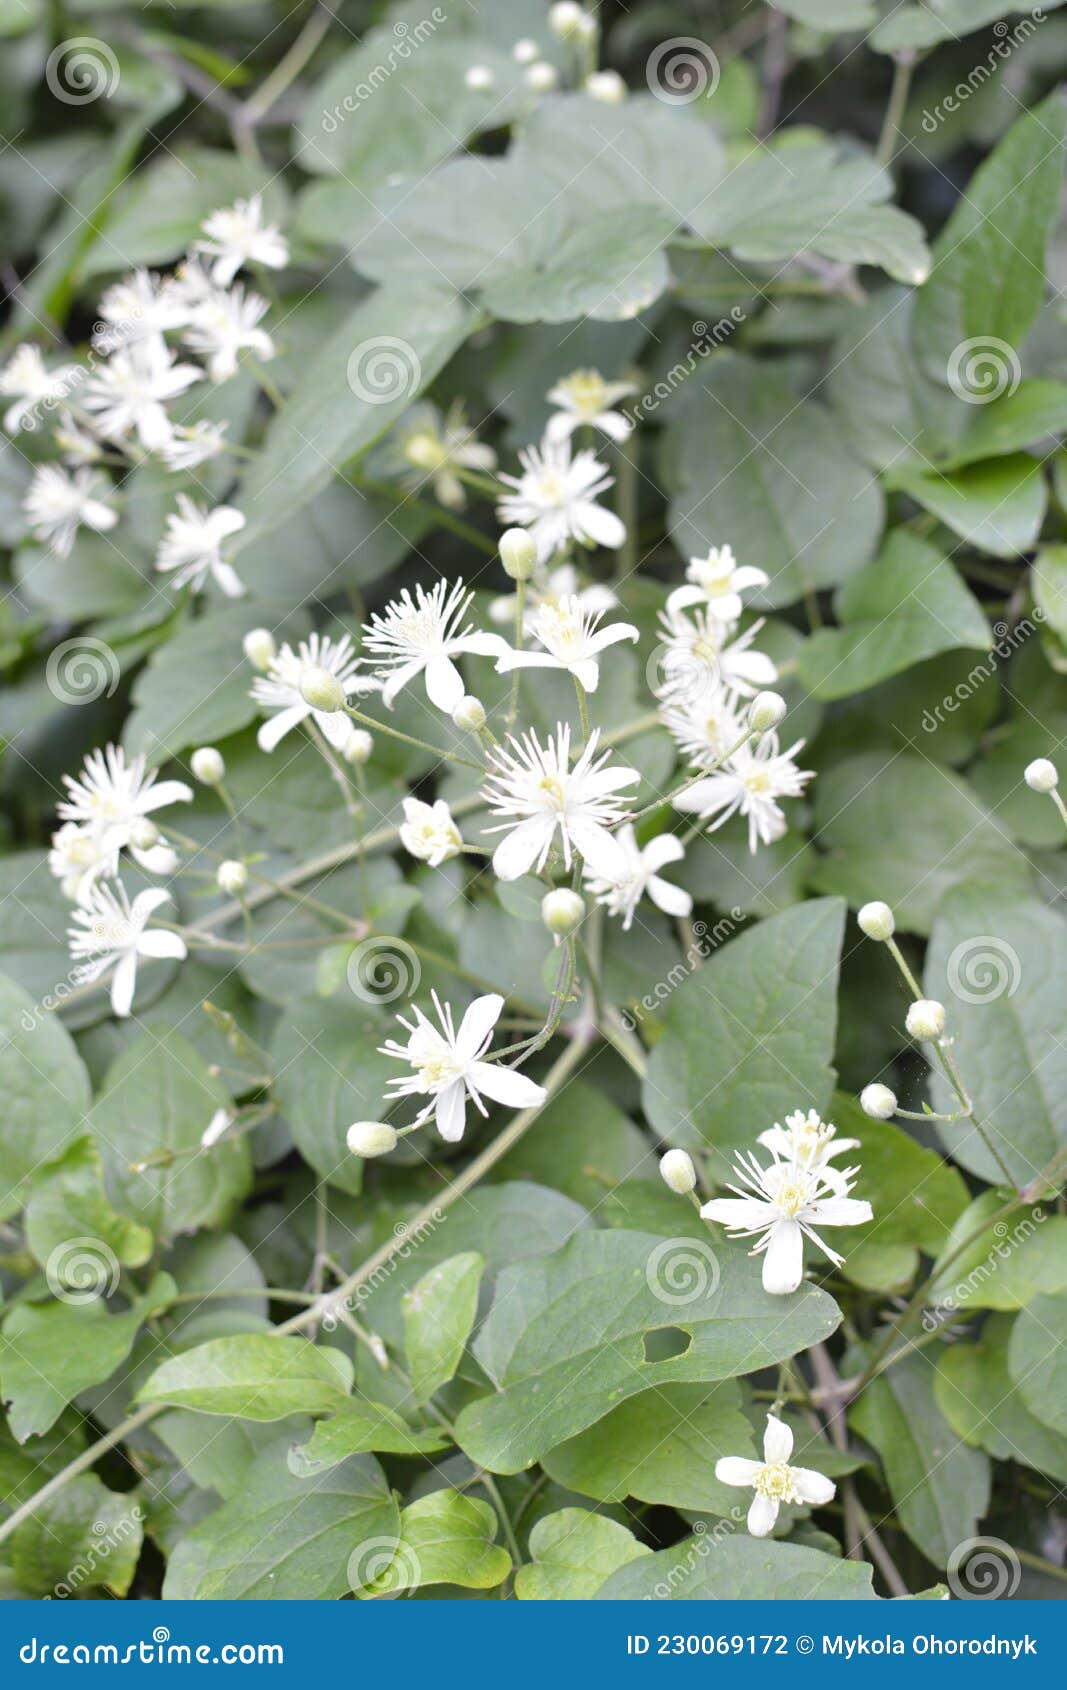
286, 1538
939, 1486
45, 1090
331, 1073
1048, 579
997, 506
831, 14
48, 1355
356, 1426
978, 1398
255, 1376
660, 1447
786, 484
988, 280
607, 1292
445, 1538
439, 1313
68, 1204
949, 837
83, 1538
908, 605
708, 1567
156, 1168
1009, 1262
1037, 1360
609, 268
999, 962
749, 1037
1035, 411
918, 26
581, 1144
894, 412
25, 1467
573, 1553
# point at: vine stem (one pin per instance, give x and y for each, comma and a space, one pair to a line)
903, 71
80, 1464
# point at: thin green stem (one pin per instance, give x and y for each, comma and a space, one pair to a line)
409, 739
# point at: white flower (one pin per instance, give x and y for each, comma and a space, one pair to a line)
549, 586
555, 498
573, 640
773, 1480
60, 501
112, 798
28, 381
77, 443
429, 832
621, 893
585, 398
438, 446
237, 235
224, 325
809, 1141
717, 582
191, 549
695, 658
533, 785
448, 1067
136, 307
78, 858
422, 636
188, 447
781, 1206
112, 934
128, 394
705, 728
279, 689
751, 783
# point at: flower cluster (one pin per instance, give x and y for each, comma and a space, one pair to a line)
156, 338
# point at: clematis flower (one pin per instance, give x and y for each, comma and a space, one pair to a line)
193, 445
810, 1142
238, 235
585, 399
548, 587
78, 858
437, 446
110, 933
620, 894
555, 499
191, 549
422, 635
113, 798
279, 690
28, 380
773, 1480
59, 502
429, 832
135, 308
705, 728
573, 640
448, 1066
717, 582
226, 324
781, 1206
129, 393
534, 786
750, 784
697, 658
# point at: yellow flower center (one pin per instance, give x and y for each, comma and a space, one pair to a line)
776, 1482
425, 451
552, 788
792, 1197
587, 392
757, 780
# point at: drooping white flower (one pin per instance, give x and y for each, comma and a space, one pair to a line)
112, 797
621, 893
436, 447
136, 307
696, 657
555, 498
59, 502
429, 832
191, 548
773, 1480
129, 393
110, 933
279, 690
573, 640
238, 235
717, 582
750, 783
705, 728
422, 635
27, 379
782, 1205
584, 398
79, 857
534, 786
223, 326
448, 1066
550, 586
810, 1142
193, 445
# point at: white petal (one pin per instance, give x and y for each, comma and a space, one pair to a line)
160, 943
600, 525
603, 855
746, 1213
477, 1024
813, 1487
665, 848
520, 849
274, 730
841, 1211
444, 683
450, 1112
777, 1440
614, 425
508, 660
783, 1259
506, 1085
400, 678
123, 982
147, 901
335, 726
228, 579
672, 900
561, 425
165, 792
762, 1515
588, 673
736, 1470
